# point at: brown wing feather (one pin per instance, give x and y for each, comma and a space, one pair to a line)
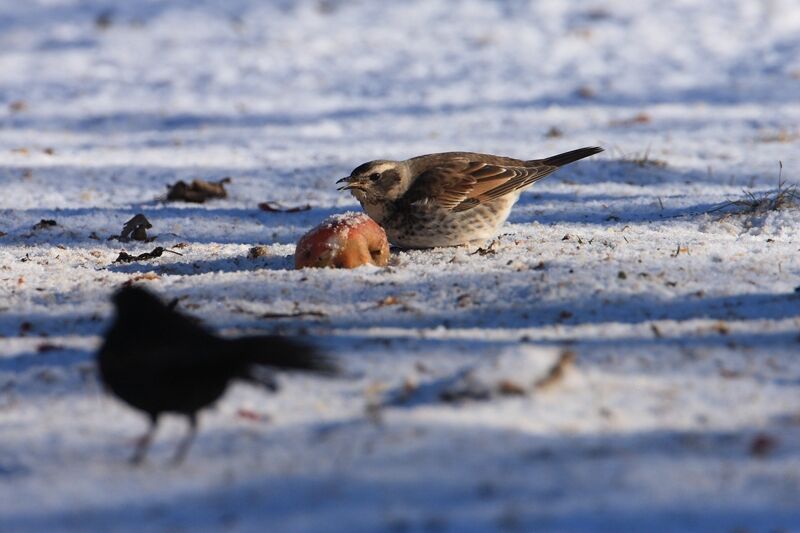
461, 184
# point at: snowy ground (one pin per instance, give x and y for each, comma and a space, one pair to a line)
681, 411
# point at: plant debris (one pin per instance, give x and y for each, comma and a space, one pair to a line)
135, 229
125, 257
755, 205
638, 118
104, 19
586, 92
148, 276
48, 347
554, 133
644, 160
198, 191
275, 207
507, 387
17, 106
45, 223
780, 136
294, 314
488, 250
556, 373
257, 251
762, 445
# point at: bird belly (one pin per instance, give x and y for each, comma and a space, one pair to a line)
440, 227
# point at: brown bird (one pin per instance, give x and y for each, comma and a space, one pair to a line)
447, 199
158, 360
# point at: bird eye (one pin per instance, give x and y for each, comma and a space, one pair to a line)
374, 177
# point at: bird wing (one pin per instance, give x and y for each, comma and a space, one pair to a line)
462, 184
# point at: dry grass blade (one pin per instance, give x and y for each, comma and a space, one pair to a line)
757, 204
556, 373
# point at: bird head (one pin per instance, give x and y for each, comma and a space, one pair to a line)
134, 300
377, 181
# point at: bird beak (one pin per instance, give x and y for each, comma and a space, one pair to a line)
351, 183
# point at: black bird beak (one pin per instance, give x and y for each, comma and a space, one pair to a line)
349, 180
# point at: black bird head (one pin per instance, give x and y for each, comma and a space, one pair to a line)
134, 299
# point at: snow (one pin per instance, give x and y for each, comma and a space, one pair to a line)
685, 324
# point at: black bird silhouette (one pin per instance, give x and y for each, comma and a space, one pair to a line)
158, 360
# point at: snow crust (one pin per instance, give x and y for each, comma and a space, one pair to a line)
681, 411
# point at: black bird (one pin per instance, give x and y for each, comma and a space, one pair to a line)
158, 360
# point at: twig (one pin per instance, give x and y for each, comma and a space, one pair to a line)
295, 314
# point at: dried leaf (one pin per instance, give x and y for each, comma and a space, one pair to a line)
557, 371
44, 223
136, 229
257, 251
149, 276
198, 191
554, 133
125, 257
248, 414
506, 387
638, 118
762, 445
389, 300
48, 347
17, 105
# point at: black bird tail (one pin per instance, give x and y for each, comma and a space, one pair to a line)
280, 353
570, 157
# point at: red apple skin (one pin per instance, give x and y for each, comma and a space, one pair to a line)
343, 241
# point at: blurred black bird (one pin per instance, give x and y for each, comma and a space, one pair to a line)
158, 360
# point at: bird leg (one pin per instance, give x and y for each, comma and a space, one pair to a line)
143, 443
186, 442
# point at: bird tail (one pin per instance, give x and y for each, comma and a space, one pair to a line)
570, 157
262, 353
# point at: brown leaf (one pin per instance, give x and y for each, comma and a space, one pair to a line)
257, 251
638, 118
44, 223
721, 328
148, 276
762, 445
125, 257
389, 300
249, 414
136, 229
48, 347
17, 105
506, 387
554, 133
556, 373
198, 191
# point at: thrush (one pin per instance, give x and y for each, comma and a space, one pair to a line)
448, 199
158, 360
